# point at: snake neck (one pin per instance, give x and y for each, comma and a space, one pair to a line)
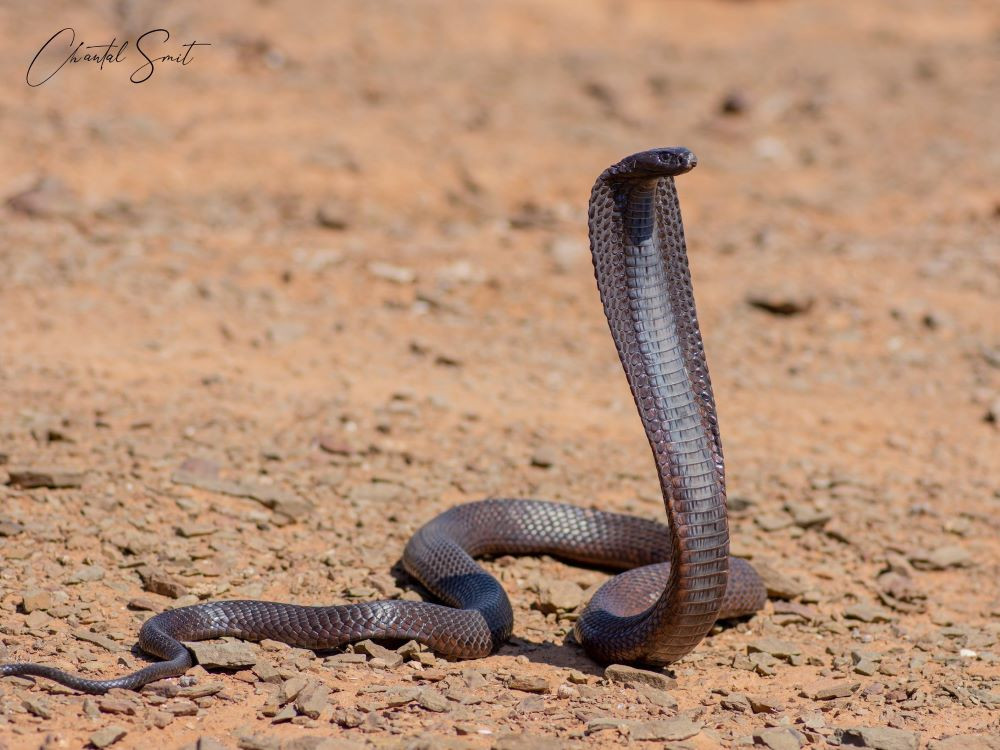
640, 260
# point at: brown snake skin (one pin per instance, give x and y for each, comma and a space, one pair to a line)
679, 577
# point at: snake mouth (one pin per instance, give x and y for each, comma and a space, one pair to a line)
653, 164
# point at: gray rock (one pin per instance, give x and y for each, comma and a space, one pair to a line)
559, 596
671, 730
779, 586
333, 214
776, 648
375, 651
763, 704
777, 738
431, 700
781, 300
266, 672
393, 273
160, 582
51, 478
280, 501
631, 676
879, 738
400, 696
521, 742
312, 742
529, 684
543, 457
107, 736
38, 707
36, 599
941, 558
312, 699
832, 690
86, 574
735, 702
867, 613
257, 742
201, 690
656, 696
290, 690
807, 516
226, 654
966, 742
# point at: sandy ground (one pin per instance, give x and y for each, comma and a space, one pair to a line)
339, 261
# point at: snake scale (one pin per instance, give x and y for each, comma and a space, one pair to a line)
678, 577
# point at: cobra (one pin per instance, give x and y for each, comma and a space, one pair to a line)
678, 576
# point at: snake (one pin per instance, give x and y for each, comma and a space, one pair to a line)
677, 578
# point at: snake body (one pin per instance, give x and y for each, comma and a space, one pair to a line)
678, 579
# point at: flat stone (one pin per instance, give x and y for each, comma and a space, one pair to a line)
778, 585
192, 530
99, 640
544, 458
36, 599
144, 604
966, 742
313, 742
529, 684
274, 498
201, 690
86, 574
107, 736
830, 691
265, 671
520, 742
776, 648
671, 730
257, 742
632, 676
334, 214
807, 516
559, 596
313, 698
431, 700
51, 478
656, 696
393, 273
38, 707
772, 521
108, 705
226, 654
375, 651
290, 689
777, 738
941, 558
763, 704
879, 738
10, 528
159, 582
783, 300
337, 660
867, 613
400, 696
735, 702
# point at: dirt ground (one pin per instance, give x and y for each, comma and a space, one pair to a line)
268, 312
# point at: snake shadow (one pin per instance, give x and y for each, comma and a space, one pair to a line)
560, 651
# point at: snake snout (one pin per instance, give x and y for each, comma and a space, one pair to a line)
652, 164
676, 160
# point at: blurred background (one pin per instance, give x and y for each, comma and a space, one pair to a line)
343, 251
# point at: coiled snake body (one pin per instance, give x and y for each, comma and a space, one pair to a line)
679, 577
